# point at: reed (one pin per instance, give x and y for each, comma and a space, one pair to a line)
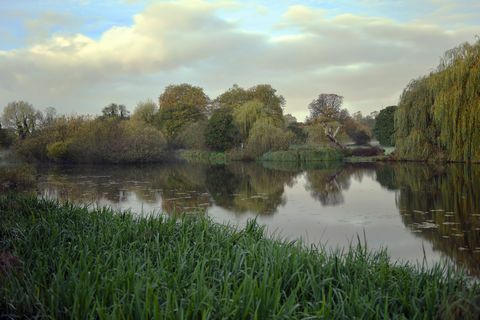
67, 261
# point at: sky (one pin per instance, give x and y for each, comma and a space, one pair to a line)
80, 55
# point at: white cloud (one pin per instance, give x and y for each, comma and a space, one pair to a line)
367, 59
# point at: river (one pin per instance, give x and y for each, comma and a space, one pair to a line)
419, 213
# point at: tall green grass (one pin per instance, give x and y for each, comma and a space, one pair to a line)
201, 156
69, 262
301, 156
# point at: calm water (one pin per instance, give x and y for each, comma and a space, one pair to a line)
410, 209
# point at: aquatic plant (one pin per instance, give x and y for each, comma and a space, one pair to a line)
65, 261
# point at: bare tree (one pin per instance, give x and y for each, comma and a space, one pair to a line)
21, 117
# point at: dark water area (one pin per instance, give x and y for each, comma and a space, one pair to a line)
418, 212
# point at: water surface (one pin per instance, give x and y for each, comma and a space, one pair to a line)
413, 210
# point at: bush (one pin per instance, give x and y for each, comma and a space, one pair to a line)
59, 151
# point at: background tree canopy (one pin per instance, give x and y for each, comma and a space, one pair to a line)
438, 115
384, 129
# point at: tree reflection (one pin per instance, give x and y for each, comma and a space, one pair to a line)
328, 180
441, 204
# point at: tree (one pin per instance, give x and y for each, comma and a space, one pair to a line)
438, 115
118, 111
326, 110
272, 102
266, 136
182, 95
172, 120
232, 98
21, 117
145, 112
326, 105
181, 105
221, 133
384, 129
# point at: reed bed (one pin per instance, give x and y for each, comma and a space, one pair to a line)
67, 261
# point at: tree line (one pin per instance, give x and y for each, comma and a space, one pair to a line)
247, 122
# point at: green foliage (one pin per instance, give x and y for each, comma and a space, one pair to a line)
172, 120
302, 156
385, 126
246, 115
84, 140
221, 133
316, 133
232, 98
59, 150
199, 156
265, 136
183, 95
438, 115
192, 136
145, 112
66, 261
300, 136
180, 106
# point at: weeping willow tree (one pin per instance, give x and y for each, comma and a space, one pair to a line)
438, 117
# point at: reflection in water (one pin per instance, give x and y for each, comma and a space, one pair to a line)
439, 204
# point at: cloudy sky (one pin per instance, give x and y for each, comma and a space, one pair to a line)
80, 55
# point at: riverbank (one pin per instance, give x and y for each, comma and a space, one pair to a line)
64, 261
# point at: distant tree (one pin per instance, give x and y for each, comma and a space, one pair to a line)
181, 105
232, 98
326, 111
118, 111
21, 117
246, 115
221, 133
172, 120
49, 116
183, 95
267, 95
145, 112
385, 126
266, 136
326, 105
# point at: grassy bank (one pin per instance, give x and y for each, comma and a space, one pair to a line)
200, 156
63, 261
302, 156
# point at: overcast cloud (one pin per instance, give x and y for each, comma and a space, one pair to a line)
301, 50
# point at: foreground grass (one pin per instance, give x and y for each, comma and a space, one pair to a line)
63, 261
